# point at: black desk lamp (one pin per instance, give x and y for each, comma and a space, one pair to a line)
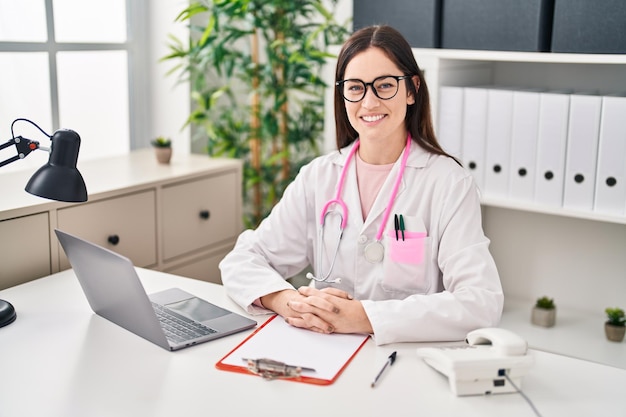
57, 180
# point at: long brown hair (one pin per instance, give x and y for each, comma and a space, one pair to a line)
418, 119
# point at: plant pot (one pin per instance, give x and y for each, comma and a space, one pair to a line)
614, 333
543, 317
163, 155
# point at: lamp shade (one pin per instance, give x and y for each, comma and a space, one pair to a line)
59, 179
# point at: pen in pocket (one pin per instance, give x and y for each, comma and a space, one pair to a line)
396, 222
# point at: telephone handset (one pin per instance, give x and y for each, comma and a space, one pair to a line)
502, 341
492, 355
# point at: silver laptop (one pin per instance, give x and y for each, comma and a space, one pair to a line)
172, 319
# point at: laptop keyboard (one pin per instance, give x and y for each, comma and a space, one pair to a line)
179, 328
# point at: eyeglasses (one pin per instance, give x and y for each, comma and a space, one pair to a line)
385, 87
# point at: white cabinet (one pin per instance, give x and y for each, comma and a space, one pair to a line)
182, 217
24, 249
198, 214
200, 221
203, 267
575, 257
124, 224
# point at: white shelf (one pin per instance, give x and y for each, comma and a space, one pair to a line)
577, 334
556, 211
575, 256
512, 56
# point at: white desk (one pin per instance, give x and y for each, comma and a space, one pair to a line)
59, 359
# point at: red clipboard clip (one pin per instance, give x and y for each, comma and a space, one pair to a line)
270, 369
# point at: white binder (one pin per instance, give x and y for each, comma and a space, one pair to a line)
450, 120
474, 132
582, 151
610, 192
498, 142
551, 145
524, 130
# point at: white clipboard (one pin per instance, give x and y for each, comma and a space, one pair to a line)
326, 355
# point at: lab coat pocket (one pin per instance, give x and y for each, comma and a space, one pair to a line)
406, 266
408, 250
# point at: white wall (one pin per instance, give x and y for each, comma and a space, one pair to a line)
344, 10
170, 102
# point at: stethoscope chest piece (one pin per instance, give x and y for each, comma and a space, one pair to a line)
374, 252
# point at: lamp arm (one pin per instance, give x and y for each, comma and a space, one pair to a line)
24, 147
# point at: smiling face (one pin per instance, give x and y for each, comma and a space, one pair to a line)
378, 122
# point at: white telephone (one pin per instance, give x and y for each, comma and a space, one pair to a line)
483, 365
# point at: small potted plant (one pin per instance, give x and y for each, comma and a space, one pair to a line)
163, 149
544, 312
615, 326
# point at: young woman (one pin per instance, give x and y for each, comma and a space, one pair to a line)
390, 223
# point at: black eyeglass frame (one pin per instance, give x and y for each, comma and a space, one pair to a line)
398, 78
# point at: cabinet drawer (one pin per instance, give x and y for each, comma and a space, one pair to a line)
126, 225
24, 249
205, 268
199, 213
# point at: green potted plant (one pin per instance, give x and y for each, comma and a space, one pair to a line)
254, 67
163, 149
615, 326
544, 312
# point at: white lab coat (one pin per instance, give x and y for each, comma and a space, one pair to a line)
455, 289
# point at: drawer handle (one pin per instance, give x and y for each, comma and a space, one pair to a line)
205, 214
113, 239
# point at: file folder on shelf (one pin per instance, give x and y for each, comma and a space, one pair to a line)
450, 121
524, 130
321, 357
551, 146
610, 190
475, 101
498, 141
582, 151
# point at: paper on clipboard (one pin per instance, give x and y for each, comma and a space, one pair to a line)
327, 354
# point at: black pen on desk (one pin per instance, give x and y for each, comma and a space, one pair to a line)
390, 360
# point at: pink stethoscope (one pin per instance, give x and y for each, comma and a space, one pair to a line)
374, 251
